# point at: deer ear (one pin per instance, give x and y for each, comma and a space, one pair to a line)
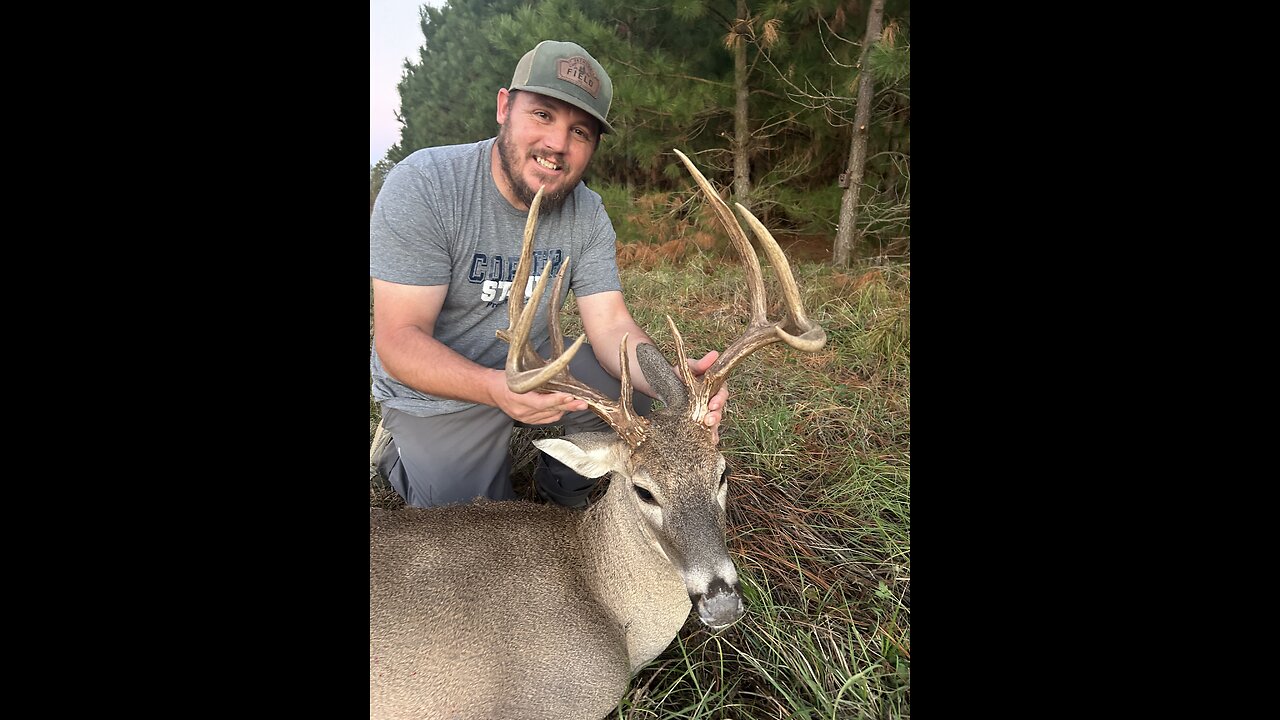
588, 454
662, 378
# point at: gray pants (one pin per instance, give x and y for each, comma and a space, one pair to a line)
457, 457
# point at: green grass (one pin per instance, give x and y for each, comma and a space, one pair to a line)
819, 447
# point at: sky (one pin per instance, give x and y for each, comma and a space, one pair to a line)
394, 36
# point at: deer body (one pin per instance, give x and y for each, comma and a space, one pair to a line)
496, 622
516, 610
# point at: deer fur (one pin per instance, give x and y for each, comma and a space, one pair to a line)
517, 610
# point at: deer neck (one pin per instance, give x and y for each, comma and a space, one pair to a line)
633, 580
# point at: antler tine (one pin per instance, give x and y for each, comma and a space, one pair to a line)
519, 379
527, 371
624, 396
755, 280
515, 302
812, 336
553, 317
800, 333
686, 373
515, 296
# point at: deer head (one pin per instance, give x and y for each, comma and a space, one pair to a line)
668, 477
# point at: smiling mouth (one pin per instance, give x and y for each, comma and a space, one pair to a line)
546, 164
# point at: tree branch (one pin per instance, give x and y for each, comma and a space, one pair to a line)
673, 75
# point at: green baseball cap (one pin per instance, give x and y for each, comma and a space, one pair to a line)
564, 71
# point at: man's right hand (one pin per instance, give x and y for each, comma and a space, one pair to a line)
531, 408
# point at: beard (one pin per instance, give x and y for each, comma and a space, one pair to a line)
508, 156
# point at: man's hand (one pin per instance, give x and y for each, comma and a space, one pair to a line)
533, 408
715, 406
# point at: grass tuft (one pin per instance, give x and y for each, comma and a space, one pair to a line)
819, 527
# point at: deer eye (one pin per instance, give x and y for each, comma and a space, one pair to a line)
645, 495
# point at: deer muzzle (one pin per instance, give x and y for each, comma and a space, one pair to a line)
720, 606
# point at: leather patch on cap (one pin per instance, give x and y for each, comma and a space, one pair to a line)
578, 71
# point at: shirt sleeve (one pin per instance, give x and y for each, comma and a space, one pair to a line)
407, 240
596, 271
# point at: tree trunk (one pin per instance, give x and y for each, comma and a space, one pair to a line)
846, 234
741, 130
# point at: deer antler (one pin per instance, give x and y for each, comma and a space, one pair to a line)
795, 329
526, 370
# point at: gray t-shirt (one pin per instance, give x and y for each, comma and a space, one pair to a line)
440, 220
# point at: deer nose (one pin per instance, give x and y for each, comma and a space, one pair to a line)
720, 606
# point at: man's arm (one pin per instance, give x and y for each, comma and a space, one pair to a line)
605, 319
404, 319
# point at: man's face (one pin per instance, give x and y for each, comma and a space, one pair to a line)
543, 141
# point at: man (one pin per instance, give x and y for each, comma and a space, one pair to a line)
444, 239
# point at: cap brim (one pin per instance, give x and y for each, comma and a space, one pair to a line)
605, 127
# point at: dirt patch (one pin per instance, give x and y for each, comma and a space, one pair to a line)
806, 248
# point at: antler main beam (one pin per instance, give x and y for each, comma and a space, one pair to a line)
528, 371
795, 329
